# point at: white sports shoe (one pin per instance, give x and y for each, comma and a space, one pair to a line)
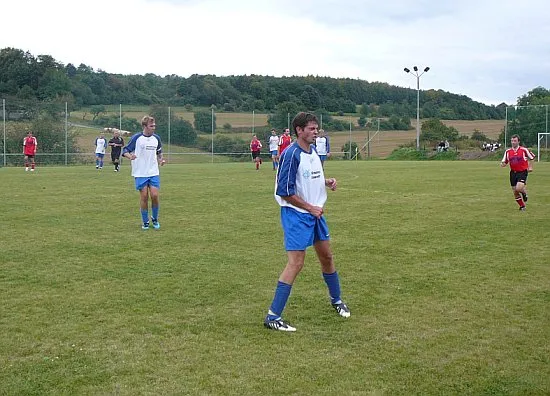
342, 309
278, 324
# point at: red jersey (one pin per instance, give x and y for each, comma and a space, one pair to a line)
518, 158
29, 145
255, 145
284, 142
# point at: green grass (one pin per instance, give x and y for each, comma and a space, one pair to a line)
447, 282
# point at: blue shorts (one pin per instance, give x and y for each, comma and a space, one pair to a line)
302, 229
323, 157
153, 181
274, 153
99, 155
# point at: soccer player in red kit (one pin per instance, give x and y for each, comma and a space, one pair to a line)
519, 159
29, 150
284, 141
255, 147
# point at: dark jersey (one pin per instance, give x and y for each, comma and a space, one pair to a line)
115, 150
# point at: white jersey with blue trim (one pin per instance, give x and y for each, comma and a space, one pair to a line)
273, 143
146, 149
322, 145
100, 145
300, 173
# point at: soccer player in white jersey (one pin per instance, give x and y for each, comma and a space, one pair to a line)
145, 151
322, 145
300, 190
100, 145
274, 148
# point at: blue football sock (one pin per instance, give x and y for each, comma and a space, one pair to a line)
282, 292
96, 162
155, 210
101, 164
333, 283
145, 215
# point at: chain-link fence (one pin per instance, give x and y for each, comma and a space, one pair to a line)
67, 137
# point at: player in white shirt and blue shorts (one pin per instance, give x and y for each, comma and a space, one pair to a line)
322, 145
300, 190
100, 145
145, 151
274, 148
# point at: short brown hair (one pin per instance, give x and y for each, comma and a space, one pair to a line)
145, 120
516, 136
302, 119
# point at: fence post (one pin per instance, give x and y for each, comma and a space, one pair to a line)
66, 132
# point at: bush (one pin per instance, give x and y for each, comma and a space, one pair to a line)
354, 150
203, 121
445, 156
407, 154
479, 136
227, 126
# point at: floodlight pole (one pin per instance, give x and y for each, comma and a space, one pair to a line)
417, 75
4, 128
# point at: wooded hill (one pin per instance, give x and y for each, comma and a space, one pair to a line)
27, 78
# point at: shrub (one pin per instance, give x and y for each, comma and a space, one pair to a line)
354, 149
407, 154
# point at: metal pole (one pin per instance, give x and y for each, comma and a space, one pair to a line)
417, 112
4, 112
321, 120
350, 138
288, 120
212, 123
368, 143
546, 136
120, 117
506, 129
66, 132
169, 128
253, 122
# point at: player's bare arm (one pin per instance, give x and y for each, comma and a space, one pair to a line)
295, 200
331, 183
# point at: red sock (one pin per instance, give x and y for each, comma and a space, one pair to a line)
257, 165
520, 202
26, 164
32, 165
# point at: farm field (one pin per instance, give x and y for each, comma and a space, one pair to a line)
446, 280
380, 147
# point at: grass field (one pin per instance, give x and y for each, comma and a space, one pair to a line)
446, 280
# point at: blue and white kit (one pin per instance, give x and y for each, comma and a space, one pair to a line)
301, 173
146, 150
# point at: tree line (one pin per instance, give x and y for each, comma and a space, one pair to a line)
27, 78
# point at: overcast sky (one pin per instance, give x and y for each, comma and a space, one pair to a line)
490, 50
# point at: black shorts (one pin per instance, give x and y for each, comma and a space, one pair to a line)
115, 156
31, 156
255, 154
518, 177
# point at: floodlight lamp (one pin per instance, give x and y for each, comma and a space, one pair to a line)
415, 68
426, 69
407, 70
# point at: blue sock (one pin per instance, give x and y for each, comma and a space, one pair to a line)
155, 210
333, 283
145, 215
282, 292
101, 163
96, 162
